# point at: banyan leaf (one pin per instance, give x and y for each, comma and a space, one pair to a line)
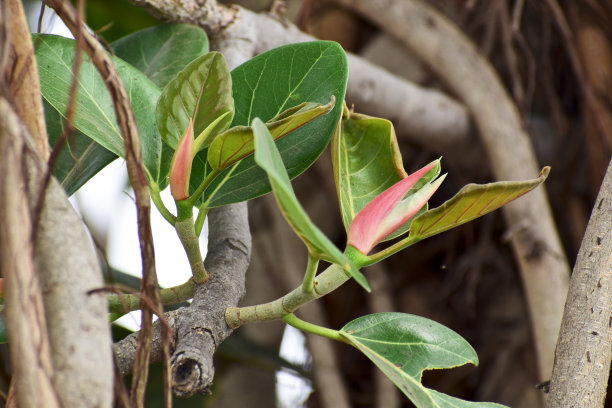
403, 346
266, 86
80, 157
154, 51
471, 202
236, 143
201, 92
95, 113
367, 161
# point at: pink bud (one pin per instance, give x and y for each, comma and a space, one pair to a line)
180, 169
387, 212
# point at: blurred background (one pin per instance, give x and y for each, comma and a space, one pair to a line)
467, 278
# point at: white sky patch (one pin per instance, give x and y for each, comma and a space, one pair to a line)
292, 391
110, 211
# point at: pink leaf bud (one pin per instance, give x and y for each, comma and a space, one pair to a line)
387, 212
180, 169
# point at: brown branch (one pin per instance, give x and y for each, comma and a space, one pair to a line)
23, 77
584, 351
449, 53
136, 172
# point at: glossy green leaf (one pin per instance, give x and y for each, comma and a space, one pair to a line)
367, 161
236, 143
264, 87
319, 246
202, 92
95, 113
155, 50
79, 159
404, 345
471, 202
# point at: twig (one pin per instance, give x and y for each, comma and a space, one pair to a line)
136, 172
584, 351
537, 247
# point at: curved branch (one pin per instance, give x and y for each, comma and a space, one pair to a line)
449, 53
425, 116
30, 346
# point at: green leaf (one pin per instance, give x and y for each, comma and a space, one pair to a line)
95, 114
154, 50
471, 202
80, 158
319, 246
202, 92
404, 345
236, 143
264, 87
367, 161
3, 330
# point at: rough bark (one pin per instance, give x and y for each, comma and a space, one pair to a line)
584, 350
449, 53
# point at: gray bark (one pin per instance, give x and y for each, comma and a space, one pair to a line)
584, 350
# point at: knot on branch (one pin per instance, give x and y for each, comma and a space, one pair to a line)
192, 374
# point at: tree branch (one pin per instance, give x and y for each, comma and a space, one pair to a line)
201, 327
584, 350
449, 53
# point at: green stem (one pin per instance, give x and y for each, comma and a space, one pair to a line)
156, 196
327, 281
298, 323
124, 303
200, 190
311, 271
387, 252
191, 242
199, 224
